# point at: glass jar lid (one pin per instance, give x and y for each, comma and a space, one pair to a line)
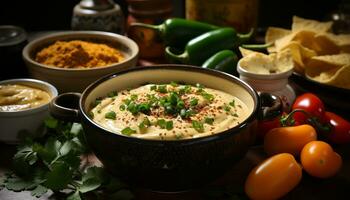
11, 35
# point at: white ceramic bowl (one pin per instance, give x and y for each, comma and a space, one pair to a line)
274, 83
30, 121
76, 80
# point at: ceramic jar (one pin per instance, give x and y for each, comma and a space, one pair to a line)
274, 83
99, 15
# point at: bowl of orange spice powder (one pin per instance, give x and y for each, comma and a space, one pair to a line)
71, 60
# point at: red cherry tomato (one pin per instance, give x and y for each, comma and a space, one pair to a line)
340, 128
265, 126
309, 103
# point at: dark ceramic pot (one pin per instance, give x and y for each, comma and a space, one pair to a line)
163, 165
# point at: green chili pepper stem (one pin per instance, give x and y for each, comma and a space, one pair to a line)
245, 37
285, 121
256, 46
158, 28
183, 58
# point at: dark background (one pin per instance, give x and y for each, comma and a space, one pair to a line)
37, 15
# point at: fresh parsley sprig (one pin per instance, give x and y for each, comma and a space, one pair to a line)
53, 162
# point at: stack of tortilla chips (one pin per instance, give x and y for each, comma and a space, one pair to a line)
317, 53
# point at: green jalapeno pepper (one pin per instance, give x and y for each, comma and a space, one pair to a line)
225, 60
202, 47
176, 32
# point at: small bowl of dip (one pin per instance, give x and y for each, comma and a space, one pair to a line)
268, 73
23, 107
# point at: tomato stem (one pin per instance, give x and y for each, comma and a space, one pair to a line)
288, 120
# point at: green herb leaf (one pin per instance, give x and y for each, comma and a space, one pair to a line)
161, 123
132, 107
89, 185
209, 120
39, 191
122, 107
74, 196
173, 83
162, 89
232, 103
145, 123
227, 108
207, 96
112, 94
198, 126
169, 125
17, 184
128, 131
51, 122
193, 102
153, 87
76, 129
110, 115
58, 177
133, 97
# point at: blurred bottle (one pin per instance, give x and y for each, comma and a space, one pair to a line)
99, 15
12, 41
240, 14
341, 18
150, 12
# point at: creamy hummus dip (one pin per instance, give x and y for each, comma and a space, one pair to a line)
169, 111
15, 97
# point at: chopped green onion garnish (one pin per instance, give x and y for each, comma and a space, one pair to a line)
227, 108
153, 87
207, 96
161, 123
169, 125
209, 120
122, 107
112, 94
110, 115
133, 97
128, 131
145, 123
162, 89
180, 105
198, 126
193, 102
173, 83
232, 103
91, 114
132, 107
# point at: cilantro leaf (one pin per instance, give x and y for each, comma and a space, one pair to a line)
17, 184
198, 126
58, 177
74, 196
90, 184
39, 191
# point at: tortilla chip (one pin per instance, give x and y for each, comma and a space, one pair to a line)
273, 34
338, 76
305, 38
300, 24
261, 63
342, 41
300, 54
337, 60
246, 52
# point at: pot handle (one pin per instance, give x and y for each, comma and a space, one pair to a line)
270, 106
66, 107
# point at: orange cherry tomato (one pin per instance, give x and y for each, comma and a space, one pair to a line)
274, 177
290, 139
319, 159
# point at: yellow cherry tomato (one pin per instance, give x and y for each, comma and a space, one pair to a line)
319, 159
273, 178
290, 139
